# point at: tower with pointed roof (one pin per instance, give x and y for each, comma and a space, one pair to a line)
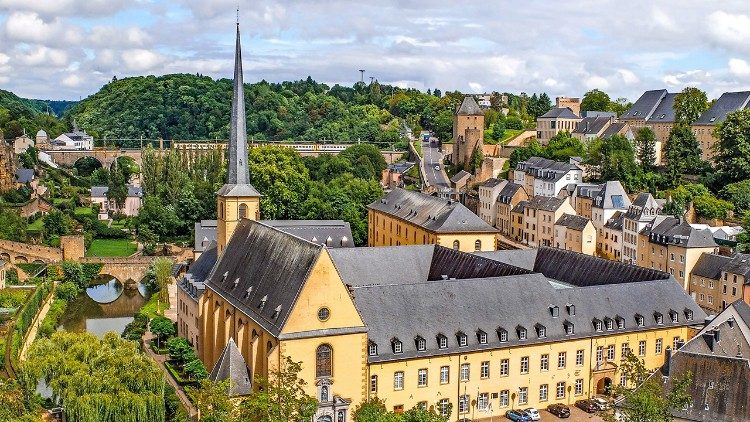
237, 199
468, 131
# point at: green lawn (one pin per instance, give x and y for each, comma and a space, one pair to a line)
36, 226
111, 247
119, 224
84, 211
508, 135
151, 309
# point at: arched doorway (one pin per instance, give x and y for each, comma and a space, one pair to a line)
604, 386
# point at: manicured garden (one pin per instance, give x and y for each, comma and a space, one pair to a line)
111, 247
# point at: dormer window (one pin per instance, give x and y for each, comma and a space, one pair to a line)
688, 314
620, 322
263, 302
372, 349
554, 311
659, 318
482, 337
569, 328
639, 320
597, 325
674, 316
421, 343
521, 333
502, 335
541, 331
571, 309
398, 347
442, 341
463, 340
610, 324
276, 312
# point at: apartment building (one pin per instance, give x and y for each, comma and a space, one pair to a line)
642, 211
539, 219
541, 176
488, 193
510, 196
717, 281
704, 128
609, 243
653, 109
556, 120
575, 233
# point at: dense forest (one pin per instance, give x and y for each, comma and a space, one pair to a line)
19, 114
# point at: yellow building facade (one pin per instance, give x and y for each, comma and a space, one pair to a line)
411, 218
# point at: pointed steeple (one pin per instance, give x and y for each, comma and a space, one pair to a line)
238, 173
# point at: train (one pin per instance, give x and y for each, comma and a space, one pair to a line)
316, 147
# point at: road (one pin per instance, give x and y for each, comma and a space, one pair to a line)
434, 158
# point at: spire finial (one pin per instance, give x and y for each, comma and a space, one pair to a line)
238, 14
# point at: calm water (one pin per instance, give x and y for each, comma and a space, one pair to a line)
105, 306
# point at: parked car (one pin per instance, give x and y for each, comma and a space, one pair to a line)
560, 410
601, 403
517, 416
587, 405
437, 167
533, 414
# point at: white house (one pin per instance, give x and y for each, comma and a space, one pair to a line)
132, 202
544, 177
73, 141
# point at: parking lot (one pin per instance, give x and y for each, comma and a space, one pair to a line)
576, 415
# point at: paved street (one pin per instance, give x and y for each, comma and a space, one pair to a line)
432, 158
576, 415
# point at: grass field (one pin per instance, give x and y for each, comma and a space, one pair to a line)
36, 226
509, 134
84, 211
154, 307
111, 247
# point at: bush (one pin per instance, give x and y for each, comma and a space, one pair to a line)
137, 328
67, 291
514, 122
162, 327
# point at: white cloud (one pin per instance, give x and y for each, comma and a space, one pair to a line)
4, 59
476, 87
72, 81
43, 56
694, 78
739, 67
65, 7
141, 60
731, 30
110, 36
596, 82
664, 20
30, 27
628, 77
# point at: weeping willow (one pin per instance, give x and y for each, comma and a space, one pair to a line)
97, 380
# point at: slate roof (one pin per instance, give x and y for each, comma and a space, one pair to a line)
491, 183
461, 175
24, 175
615, 222
238, 190
574, 222
332, 233
511, 303
101, 191
645, 105
231, 366
664, 112
592, 125
709, 265
559, 113
670, 230
612, 196
469, 107
740, 264
520, 207
642, 203
262, 271
613, 129
204, 233
193, 282
543, 168
430, 212
545, 203
588, 190
727, 103
522, 258
507, 192
400, 167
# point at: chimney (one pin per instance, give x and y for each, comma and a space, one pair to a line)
667, 361
739, 351
716, 334
730, 322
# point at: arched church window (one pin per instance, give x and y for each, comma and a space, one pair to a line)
456, 245
323, 361
243, 211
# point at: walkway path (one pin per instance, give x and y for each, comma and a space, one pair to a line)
34, 328
160, 359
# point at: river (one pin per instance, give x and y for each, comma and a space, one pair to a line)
105, 306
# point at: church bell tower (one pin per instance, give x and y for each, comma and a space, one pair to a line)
237, 199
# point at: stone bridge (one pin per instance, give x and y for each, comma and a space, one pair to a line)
67, 158
23, 253
126, 269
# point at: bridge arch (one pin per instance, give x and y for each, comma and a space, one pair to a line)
20, 259
87, 164
5, 257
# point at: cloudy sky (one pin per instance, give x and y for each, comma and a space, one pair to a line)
66, 49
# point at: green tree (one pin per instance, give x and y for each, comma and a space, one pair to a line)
738, 194
57, 223
618, 162
373, 154
163, 328
78, 368
12, 226
162, 269
709, 206
475, 161
281, 397
100, 177
180, 350
682, 153
213, 402
281, 176
689, 104
67, 291
648, 401
194, 369
645, 141
678, 198
563, 146
152, 170
118, 188
595, 100
514, 122
732, 159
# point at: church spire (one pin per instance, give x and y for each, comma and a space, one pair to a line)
238, 173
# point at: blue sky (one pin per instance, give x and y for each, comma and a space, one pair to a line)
67, 49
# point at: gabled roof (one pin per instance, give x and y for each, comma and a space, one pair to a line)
205, 232
430, 212
670, 230
615, 222
644, 107
469, 107
193, 282
24, 175
644, 205
461, 175
612, 196
507, 192
101, 191
520, 207
573, 222
664, 112
592, 125
491, 183
709, 265
613, 130
727, 103
231, 366
740, 264
545, 203
559, 113
263, 269
331, 233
